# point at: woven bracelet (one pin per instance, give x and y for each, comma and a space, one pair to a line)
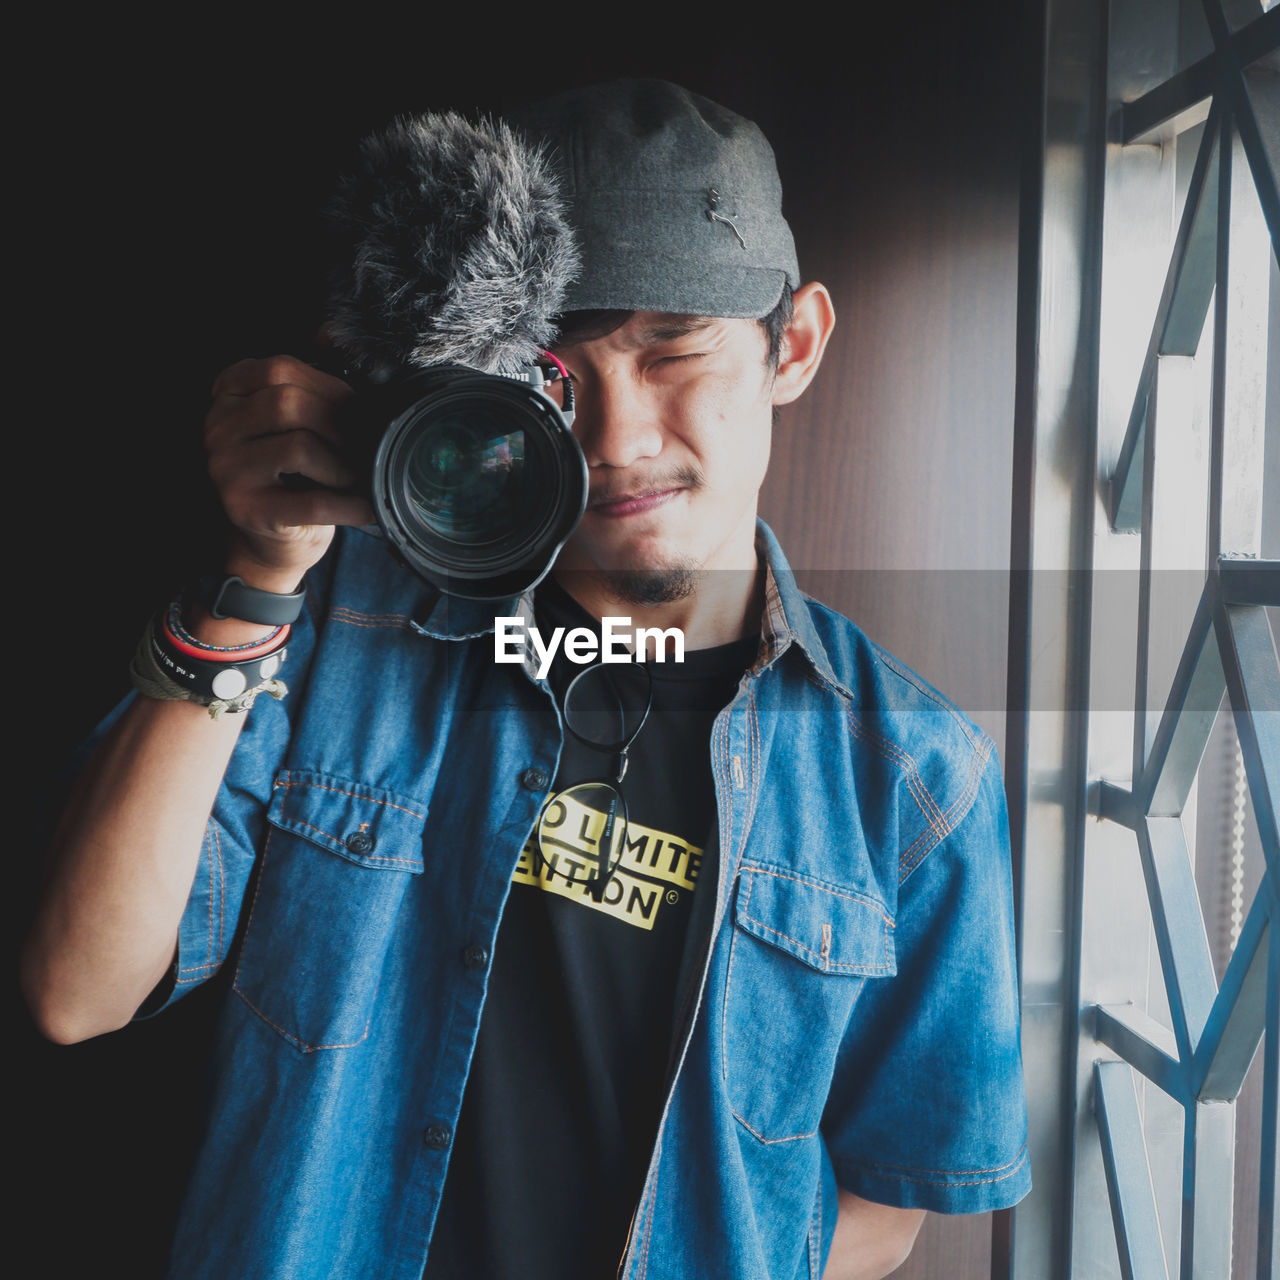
160, 670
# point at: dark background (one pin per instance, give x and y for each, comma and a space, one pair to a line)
169, 179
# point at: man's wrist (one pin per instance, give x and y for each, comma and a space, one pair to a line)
230, 596
171, 664
222, 632
261, 577
250, 583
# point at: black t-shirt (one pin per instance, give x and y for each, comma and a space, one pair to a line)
570, 1068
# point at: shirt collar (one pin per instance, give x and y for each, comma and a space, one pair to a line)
787, 617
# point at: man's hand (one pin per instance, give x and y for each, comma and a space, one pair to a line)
871, 1240
272, 419
125, 854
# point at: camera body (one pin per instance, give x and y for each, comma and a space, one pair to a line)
476, 478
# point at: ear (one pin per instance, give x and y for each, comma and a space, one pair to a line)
804, 342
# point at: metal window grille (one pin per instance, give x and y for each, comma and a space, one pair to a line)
1144, 619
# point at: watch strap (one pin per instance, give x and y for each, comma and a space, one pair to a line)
232, 598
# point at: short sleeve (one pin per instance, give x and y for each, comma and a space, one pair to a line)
928, 1105
232, 835
234, 830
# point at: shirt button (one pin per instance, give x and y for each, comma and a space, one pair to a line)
437, 1136
475, 957
359, 842
534, 779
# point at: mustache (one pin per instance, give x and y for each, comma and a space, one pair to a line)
608, 491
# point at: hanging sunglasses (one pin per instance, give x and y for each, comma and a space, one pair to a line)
588, 821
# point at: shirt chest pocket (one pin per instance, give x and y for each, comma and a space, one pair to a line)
331, 882
799, 954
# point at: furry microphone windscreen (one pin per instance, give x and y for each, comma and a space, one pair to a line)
450, 245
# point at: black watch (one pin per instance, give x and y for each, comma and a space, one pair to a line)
231, 598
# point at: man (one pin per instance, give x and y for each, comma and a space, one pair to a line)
754, 1031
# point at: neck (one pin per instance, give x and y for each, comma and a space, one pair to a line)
723, 605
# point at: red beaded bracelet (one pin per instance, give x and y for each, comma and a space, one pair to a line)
182, 640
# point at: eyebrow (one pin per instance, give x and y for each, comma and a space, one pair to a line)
668, 330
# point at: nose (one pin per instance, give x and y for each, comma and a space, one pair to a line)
616, 424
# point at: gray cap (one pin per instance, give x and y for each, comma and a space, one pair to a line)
675, 201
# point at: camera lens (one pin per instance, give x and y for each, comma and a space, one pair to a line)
467, 482
477, 480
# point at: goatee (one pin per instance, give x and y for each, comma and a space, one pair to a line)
652, 586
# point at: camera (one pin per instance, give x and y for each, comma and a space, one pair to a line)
450, 253
476, 478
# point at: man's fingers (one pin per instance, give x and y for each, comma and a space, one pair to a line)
314, 508
246, 377
269, 410
259, 462
274, 453
282, 523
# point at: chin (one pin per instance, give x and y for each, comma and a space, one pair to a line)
634, 575
652, 586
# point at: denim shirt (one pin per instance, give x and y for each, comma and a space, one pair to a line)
849, 1017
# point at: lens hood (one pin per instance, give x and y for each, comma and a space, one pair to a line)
477, 480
